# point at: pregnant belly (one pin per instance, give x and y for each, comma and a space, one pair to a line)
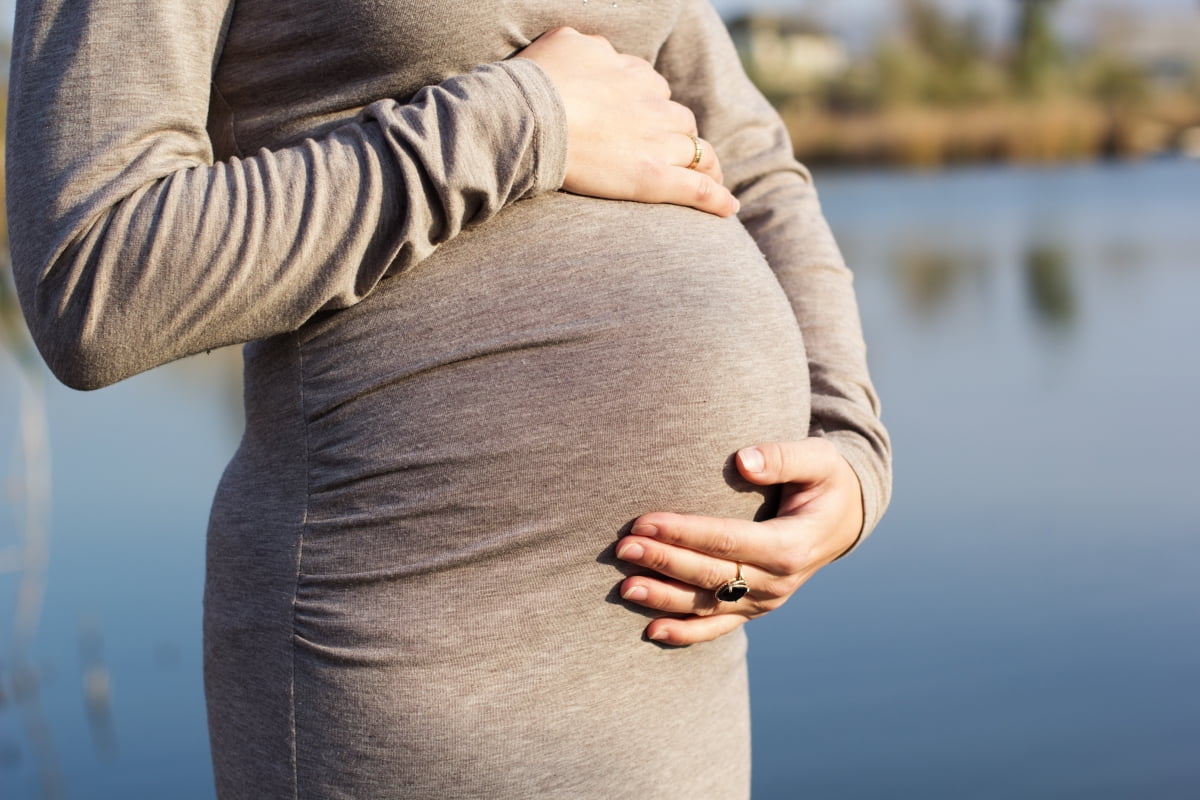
413, 548
542, 380
484, 426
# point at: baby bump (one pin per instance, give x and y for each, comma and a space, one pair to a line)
481, 428
555, 364
474, 438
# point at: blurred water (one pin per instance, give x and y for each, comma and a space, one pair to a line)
1023, 624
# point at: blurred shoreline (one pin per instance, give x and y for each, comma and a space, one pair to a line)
940, 88
1063, 131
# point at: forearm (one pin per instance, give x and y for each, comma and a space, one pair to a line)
131, 247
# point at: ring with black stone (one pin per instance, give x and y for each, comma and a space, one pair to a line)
734, 590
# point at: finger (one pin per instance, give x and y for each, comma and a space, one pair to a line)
673, 544
806, 461
673, 597
710, 164
775, 548
693, 630
700, 156
677, 597
704, 573
688, 187
681, 150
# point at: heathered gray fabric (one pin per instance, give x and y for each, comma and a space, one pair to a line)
461, 384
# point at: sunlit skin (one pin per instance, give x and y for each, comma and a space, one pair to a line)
626, 138
820, 518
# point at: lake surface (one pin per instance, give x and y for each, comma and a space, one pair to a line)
1024, 623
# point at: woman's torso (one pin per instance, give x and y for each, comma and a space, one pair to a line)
416, 535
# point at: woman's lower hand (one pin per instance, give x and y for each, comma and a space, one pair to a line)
626, 138
820, 517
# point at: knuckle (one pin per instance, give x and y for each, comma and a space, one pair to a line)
656, 599
770, 604
663, 86
687, 118
637, 70
656, 559
724, 544
793, 562
716, 575
774, 591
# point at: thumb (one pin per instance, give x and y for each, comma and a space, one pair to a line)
805, 461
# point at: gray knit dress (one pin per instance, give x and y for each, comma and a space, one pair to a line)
461, 383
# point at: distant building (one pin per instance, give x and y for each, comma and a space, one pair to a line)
787, 53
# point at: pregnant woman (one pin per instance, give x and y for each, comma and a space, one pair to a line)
486, 534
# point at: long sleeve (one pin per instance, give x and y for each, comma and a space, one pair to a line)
132, 246
781, 211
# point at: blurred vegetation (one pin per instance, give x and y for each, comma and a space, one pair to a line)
1037, 56
936, 91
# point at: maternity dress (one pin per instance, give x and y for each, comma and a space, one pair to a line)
461, 383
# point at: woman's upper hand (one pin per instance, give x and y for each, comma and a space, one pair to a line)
626, 139
820, 518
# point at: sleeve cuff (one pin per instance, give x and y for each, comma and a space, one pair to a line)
551, 119
873, 475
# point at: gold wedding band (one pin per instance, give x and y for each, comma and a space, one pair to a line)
699, 151
734, 590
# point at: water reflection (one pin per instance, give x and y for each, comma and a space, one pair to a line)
1050, 288
25, 550
931, 278
26, 683
97, 688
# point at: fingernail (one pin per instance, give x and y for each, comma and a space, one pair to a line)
630, 552
660, 635
737, 205
752, 459
635, 593
644, 529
